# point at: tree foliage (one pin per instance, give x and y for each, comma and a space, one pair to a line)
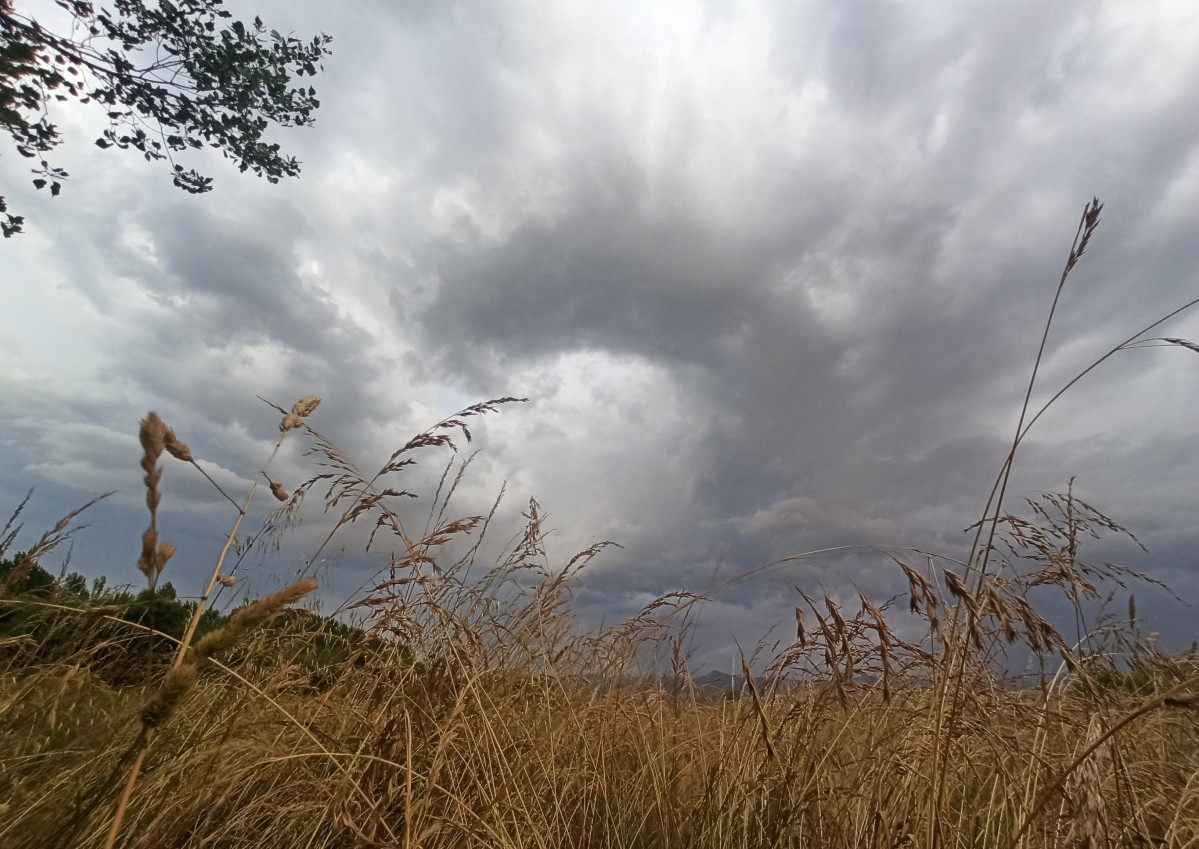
170, 76
44, 619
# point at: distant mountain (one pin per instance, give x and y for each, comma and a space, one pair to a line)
719, 681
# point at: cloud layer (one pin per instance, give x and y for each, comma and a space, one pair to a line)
773, 276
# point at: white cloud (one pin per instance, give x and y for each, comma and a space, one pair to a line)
806, 514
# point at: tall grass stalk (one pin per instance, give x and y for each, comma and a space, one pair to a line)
993, 512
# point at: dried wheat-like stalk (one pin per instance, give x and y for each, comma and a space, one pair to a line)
1086, 786
347, 483
979, 557
154, 556
764, 721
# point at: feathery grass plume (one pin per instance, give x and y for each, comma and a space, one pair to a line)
987, 530
155, 438
346, 482
12, 527
979, 558
301, 408
885, 642
48, 541
993, 511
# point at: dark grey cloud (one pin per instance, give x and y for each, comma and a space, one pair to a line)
773, 276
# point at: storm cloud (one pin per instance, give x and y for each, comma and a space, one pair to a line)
773, 276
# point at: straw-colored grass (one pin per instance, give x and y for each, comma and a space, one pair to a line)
474, 712
403, 757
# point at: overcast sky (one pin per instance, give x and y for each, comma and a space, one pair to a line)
772, 275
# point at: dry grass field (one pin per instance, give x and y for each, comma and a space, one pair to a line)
472, 710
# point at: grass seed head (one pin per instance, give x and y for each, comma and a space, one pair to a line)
299, 411
153, 438
174, 687
306, 405
250, 617
146, 564
177, 449
165, 552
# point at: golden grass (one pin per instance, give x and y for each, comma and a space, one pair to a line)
392, 755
